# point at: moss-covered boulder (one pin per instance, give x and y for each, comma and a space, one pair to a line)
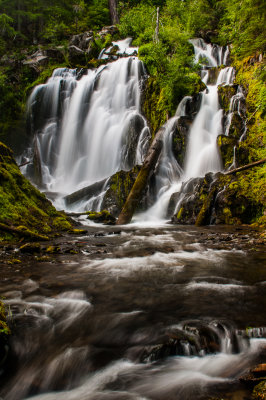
180, 139
120, 185
224, 199
237, 126
259, 391
193, 194
24, 211
103, 217
225, 93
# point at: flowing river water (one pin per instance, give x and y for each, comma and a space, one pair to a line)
146, 312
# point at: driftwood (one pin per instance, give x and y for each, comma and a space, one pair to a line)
142, 179
244, 167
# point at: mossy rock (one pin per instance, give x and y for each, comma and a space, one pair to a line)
119, 189
259, 391
237, 126
180, 139
225, 93
224, 199
226, 145
24, 211
103, 217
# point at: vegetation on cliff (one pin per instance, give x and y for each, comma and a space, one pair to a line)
24, 211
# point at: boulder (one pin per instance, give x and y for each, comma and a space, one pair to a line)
76, 55
237, 126
56, 53
120, 185
180, 139
108, 30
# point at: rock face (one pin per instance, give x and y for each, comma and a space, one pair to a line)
24, 211
117, 189
216, 199
120, 185
180, 139
225, 93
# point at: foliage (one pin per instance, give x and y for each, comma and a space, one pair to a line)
243, 24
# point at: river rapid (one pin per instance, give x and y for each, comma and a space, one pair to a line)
140, 312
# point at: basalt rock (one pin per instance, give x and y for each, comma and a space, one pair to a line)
226, 145
76, 55
237, 126
180, 139
216, 199
225, 93
108, 30
120, 185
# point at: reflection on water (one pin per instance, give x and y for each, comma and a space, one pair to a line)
154, 313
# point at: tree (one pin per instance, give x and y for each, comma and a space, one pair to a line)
113, 12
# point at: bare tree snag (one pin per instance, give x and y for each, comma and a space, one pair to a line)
157, 27
142, 179
113, 11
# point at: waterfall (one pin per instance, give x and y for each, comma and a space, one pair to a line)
88, 125
202, 153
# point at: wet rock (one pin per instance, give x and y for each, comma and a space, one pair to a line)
237, 126
225, 93
31, 248
56, 53
76, 55
135, 127
85, 193
180, 139
120, 185
83, 40
213, 75
108, 30
53, 250
103, 217
226, 145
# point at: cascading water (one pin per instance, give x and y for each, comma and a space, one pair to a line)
90, 125
202, 153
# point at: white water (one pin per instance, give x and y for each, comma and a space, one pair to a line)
87, 134
202, 154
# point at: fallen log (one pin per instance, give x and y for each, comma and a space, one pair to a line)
141, 181
244, 167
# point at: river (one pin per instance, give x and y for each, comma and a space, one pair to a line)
143, 312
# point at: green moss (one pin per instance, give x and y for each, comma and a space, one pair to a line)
61, 224
155, 105
102, 217
22, 207
179, 214
4, 329
259, 391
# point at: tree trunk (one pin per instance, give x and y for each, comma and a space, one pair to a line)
142, 179
113, 12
